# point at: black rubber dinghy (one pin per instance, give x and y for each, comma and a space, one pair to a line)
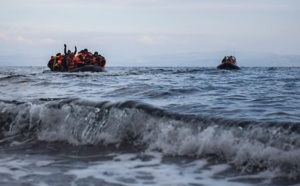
88, 68
228, 66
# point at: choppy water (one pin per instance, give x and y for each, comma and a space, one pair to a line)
150, 126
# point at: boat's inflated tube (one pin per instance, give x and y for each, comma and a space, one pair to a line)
228, 66
88, 68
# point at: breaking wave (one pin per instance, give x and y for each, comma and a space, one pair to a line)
247, 145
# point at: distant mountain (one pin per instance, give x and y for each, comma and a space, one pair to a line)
247, 59
268, 60
23, 60
197, 59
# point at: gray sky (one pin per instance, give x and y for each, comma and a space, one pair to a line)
135, 30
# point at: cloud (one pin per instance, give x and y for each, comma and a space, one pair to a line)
152, 40
196, 4
3, 37
146, 39
12, 37
21, 40
238, 5
162, 4
134, 27
25, 38
49, 41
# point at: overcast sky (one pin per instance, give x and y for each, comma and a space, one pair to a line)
134, 29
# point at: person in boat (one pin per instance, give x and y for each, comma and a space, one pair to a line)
68, 63
59, 62
50, 63
79, 60
234, 59
88, 56
224, 59
98, 60
55, 62
103, 61
230, 59
95, 59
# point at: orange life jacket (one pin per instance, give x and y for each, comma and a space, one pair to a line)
70, 62
103, 62
78, 60
88, 57
60, 59
96, 61
56, 64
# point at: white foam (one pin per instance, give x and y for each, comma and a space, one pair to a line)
22, 167
127, 169
244, 149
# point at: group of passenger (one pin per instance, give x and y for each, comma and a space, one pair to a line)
229, 59
69, 60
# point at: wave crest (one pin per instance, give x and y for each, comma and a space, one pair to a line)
245, 144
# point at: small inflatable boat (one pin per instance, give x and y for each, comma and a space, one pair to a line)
228, 66
88, 68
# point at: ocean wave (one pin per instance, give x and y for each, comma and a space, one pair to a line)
247, 145
9, 77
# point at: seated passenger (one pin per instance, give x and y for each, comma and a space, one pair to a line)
79, 60
55, 62
87, 56
50, 63
234, 59
98, 60
224, 59
102, 61
230, 59
95, 59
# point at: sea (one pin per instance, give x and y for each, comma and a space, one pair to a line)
158, 126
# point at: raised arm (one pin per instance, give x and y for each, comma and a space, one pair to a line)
75, 51
65, 50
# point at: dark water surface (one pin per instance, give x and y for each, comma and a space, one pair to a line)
150, 126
